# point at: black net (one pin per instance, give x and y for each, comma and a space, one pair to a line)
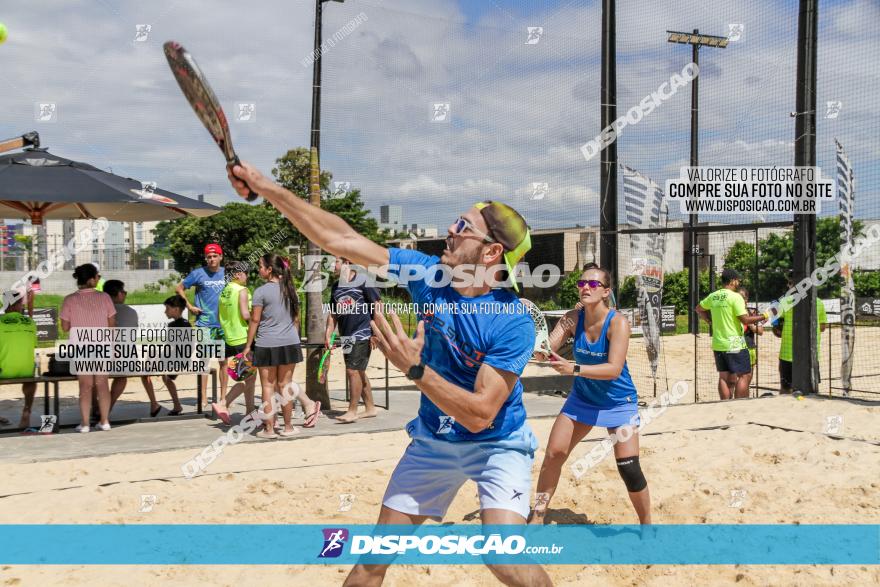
497, 100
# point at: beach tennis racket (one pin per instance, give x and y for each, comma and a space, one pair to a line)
201, 97
542, 333
324, 365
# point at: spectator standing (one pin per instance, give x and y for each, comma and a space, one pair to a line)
89, 308
274, 338
352, 309
784, 329
234, 314
209, 282
725, 310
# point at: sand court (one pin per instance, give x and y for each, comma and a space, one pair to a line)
759, 461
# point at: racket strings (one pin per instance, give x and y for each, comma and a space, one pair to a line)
542, 333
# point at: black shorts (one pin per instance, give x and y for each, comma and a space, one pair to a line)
277, 355
231, 351
785, 376
785, 373
739, 362
359, 356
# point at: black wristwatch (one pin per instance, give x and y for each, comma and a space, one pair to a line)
577, 369
416, 372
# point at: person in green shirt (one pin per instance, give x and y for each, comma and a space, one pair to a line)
234, 313
725, 310
18, 338
784, 329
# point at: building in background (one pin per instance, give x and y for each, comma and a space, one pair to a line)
117, 249
421, 230
391, 218
11, 250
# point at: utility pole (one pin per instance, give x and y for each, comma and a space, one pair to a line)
314, 315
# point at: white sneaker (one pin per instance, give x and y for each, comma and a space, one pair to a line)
104, 427
82, 429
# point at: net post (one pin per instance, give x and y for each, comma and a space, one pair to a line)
805, 366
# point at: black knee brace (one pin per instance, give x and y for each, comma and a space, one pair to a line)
631, 473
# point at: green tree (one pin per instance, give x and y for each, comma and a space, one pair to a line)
292, 171
351, 208
828, 244
675, 290
27, 243
241, 230
628, 295
867, 283
568, 294
774, 265
776, 254
245, 230
741, 257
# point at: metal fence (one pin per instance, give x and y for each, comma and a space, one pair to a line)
689, 357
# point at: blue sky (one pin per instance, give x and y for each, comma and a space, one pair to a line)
519, 112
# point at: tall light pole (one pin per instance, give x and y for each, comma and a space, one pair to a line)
695, 40
314, 320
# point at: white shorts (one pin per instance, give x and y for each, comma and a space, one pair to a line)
432, 471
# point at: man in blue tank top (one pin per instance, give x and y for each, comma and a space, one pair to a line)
470, 348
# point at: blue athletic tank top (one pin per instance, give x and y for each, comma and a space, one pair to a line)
601, 394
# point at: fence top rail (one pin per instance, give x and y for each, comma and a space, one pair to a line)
707, 228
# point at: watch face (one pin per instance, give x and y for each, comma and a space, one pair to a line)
415, 372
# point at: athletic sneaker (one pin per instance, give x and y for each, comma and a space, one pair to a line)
104, 427
82, 429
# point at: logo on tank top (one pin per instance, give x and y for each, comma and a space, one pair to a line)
589, 353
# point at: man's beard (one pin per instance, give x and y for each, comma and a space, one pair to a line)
470, 261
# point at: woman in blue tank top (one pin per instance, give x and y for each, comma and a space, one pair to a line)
603, 394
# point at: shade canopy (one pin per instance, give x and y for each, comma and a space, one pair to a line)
38, 185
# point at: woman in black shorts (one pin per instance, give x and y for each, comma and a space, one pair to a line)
274, 338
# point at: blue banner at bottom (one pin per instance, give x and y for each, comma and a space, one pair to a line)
145, 544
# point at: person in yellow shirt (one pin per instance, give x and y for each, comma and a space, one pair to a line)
101, 282
726, 311
234, 313
784, 329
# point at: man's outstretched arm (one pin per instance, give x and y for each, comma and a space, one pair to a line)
328, 231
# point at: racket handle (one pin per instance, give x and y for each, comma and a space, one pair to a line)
252, 195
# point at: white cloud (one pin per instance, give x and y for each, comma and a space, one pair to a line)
519, 113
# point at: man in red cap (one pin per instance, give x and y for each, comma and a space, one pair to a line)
209, 282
